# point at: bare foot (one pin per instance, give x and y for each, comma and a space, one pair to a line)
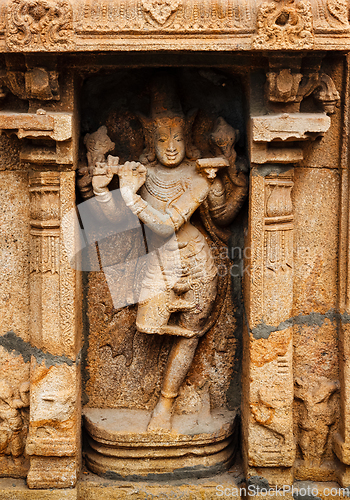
161, 416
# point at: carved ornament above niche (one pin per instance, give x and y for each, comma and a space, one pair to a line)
38, 25
284, 25
46, 25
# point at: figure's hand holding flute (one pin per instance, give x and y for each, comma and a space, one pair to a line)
207, 165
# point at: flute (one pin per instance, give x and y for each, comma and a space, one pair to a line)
208, 165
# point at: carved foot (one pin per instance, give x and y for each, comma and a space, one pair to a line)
161, 416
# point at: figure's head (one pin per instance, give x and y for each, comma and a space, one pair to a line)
167, 131
169, 141
97, 145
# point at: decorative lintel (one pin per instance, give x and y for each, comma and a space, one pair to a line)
65, 26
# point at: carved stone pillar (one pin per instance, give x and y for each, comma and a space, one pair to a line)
269, 445
53, 442
54, 419
341, 442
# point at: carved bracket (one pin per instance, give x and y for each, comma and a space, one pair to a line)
288, 84
274, 136
35, 83
55, 128
31, 77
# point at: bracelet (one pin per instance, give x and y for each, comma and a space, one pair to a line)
137, 204
103, 197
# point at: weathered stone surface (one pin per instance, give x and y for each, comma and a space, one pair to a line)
155, 401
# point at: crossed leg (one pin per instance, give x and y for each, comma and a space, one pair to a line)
181, 357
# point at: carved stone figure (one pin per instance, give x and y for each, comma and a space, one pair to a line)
317, 415
180, 295
12, 420
164, 189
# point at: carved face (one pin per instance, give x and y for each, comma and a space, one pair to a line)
169, 143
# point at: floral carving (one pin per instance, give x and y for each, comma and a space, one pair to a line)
38, 24
284, 25
160, 10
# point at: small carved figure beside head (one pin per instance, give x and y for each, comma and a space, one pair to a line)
98, 144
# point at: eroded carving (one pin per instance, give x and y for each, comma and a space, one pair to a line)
12, 420
278, 237
330, 15
318, 413
173, 15
327, 94
39, 24
270, 412
287, 85
45, 203
14, 414
284, 25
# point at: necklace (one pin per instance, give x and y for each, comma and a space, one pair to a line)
163, 188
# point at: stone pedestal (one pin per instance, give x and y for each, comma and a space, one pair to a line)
119, 445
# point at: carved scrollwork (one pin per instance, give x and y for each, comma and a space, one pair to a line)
284, 25
37, 24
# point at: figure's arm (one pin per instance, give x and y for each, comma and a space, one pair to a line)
180, 211
224, 207
103, 198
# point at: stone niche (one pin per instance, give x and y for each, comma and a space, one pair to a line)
174, 293
132, 363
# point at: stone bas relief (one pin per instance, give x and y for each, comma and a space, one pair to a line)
14, 415
318, 412
38, 25
155, 164
177, 290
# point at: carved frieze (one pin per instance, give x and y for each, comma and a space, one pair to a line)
169, 15
34, 25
